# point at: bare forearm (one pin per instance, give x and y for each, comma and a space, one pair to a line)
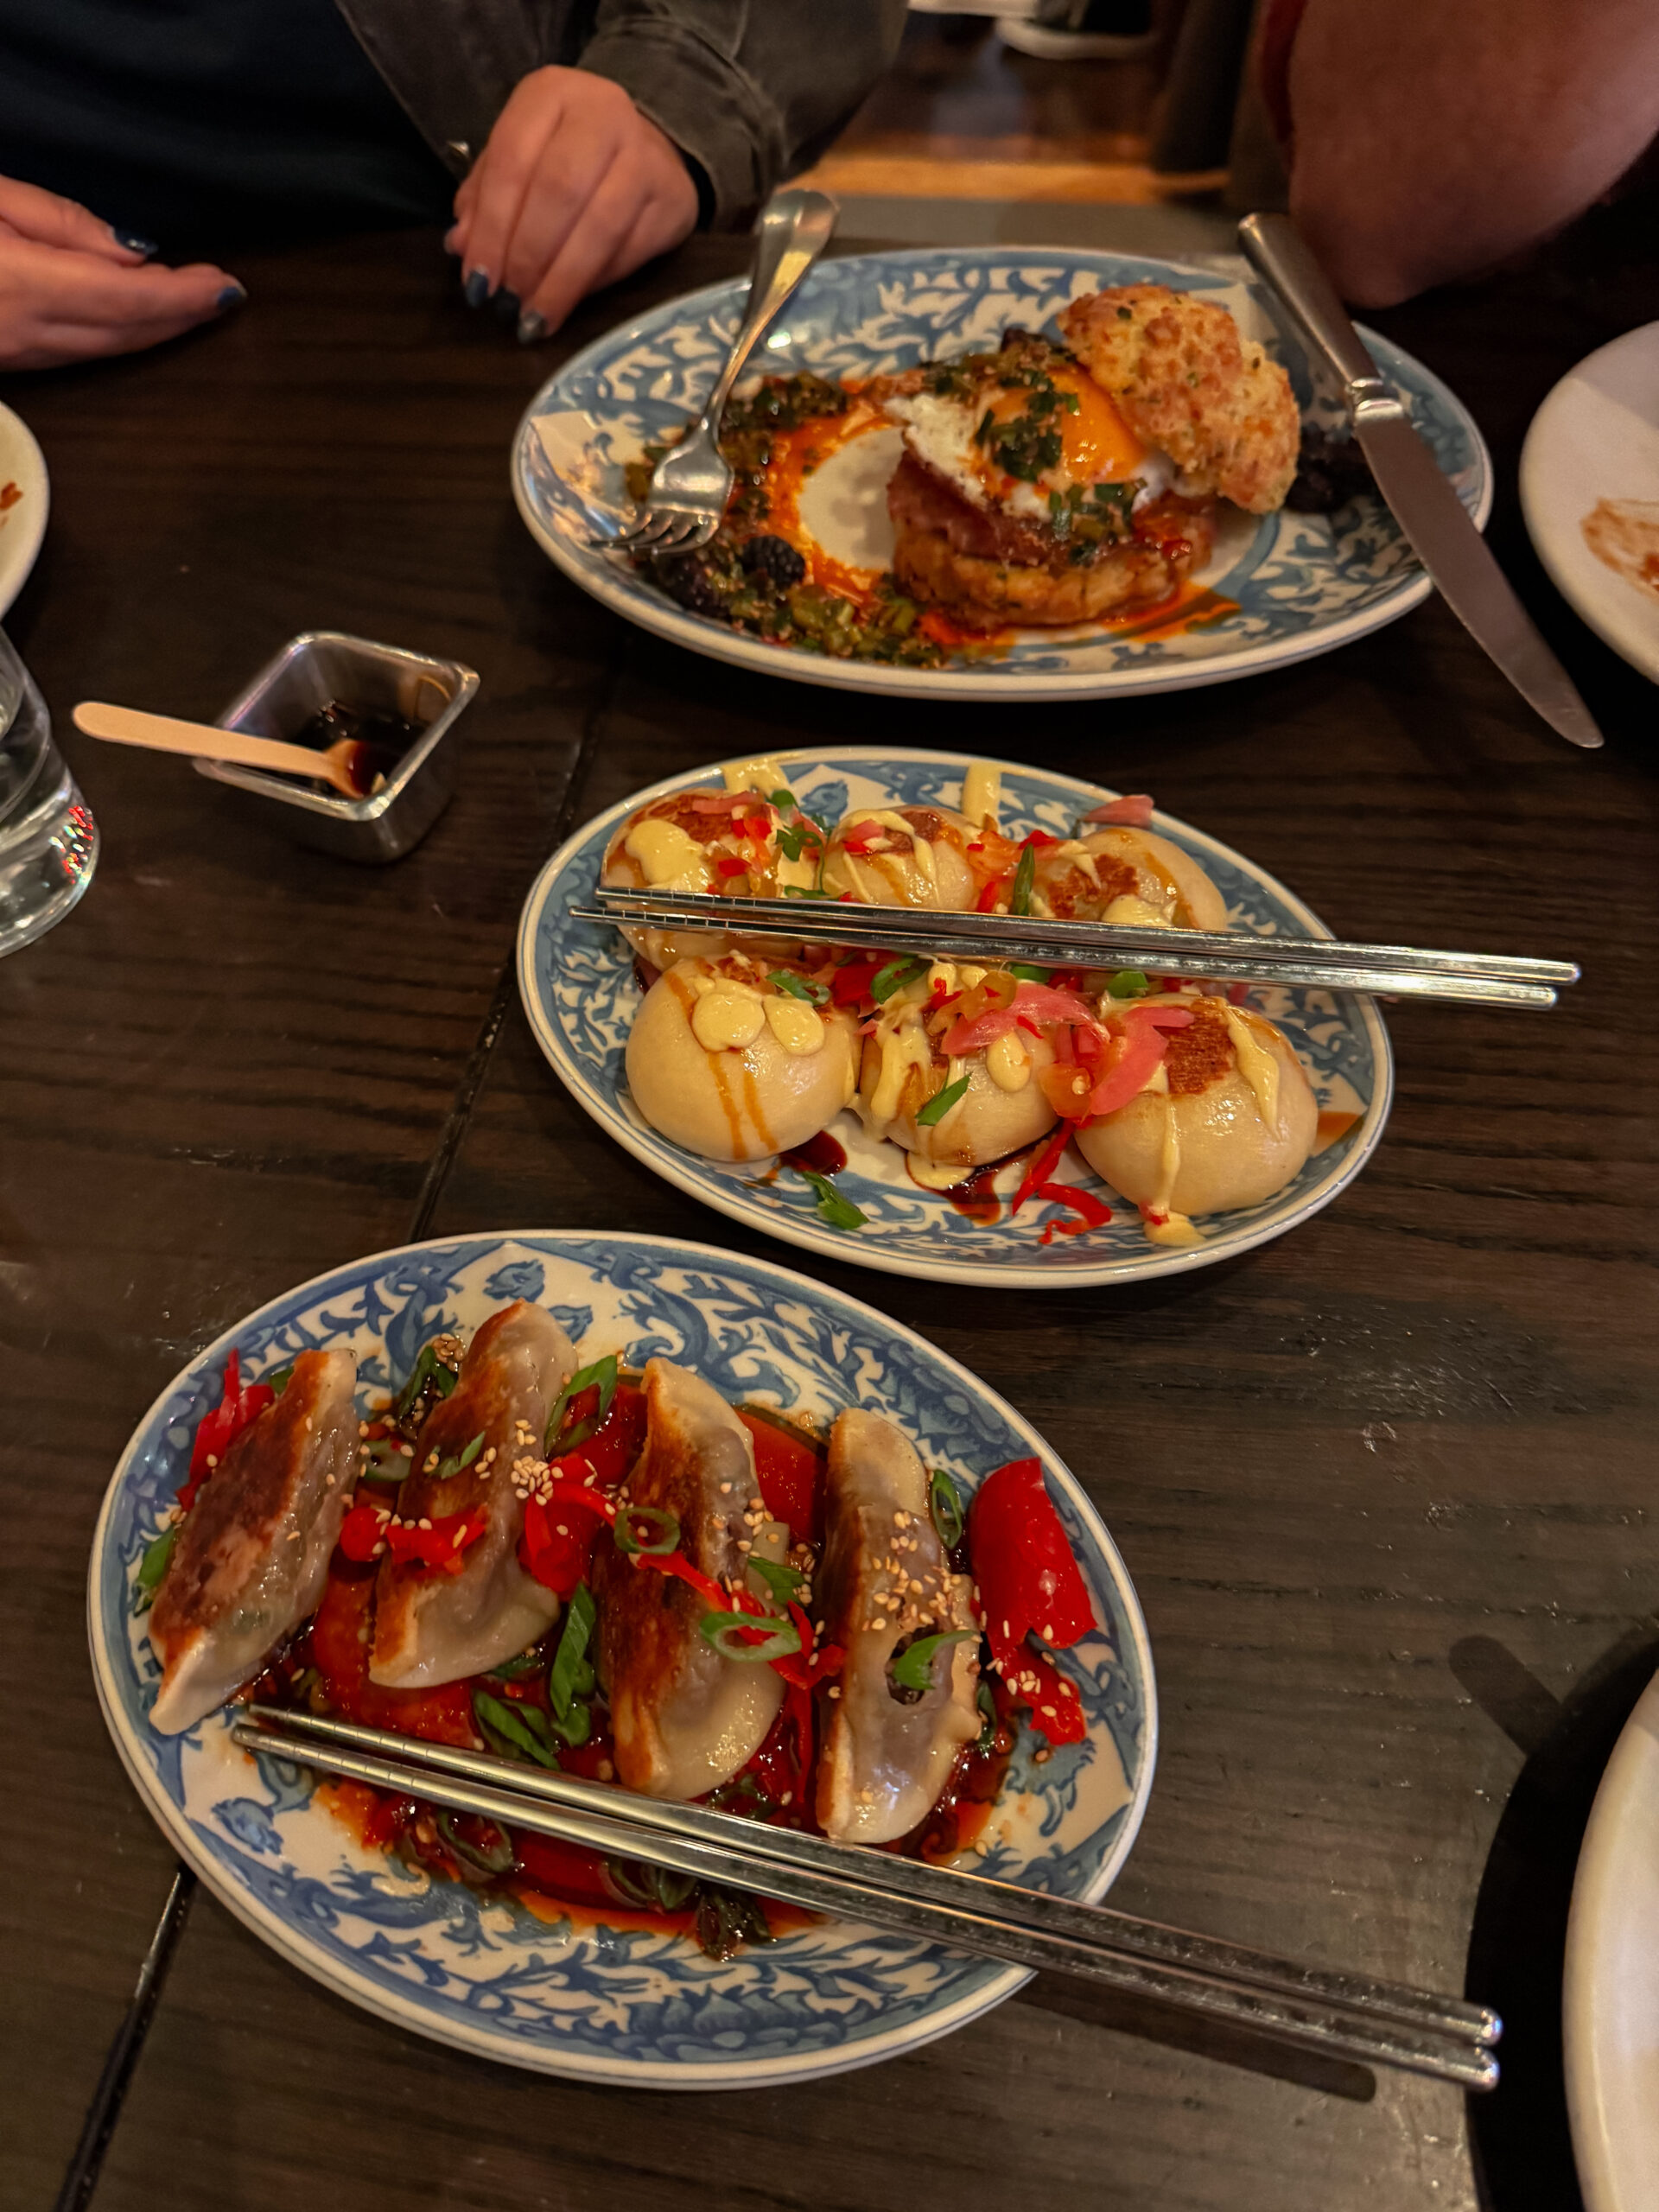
1436, 137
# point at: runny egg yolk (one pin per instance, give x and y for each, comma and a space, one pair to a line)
1096, 445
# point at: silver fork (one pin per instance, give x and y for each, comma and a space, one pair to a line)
689, 486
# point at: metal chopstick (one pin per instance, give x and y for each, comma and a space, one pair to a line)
1404, 970
1376, 2023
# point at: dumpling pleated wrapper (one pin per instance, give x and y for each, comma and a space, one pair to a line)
721, 1061
684, 1719
887, 1752
251, 1559
431, 1626
1237, 1121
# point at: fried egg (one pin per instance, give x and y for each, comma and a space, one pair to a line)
950, 435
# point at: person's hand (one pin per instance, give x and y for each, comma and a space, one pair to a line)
574, 188
71, 292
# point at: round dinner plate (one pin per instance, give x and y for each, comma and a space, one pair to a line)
640, 2007
24, 498
577, 982
1589, 472
1610, 1989
1302, 583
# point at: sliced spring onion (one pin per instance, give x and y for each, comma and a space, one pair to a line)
489, 1859
458, 1462
279, 1378
515, 1731
153, 1564
913, 1668
385, 1464
1027, 974
799, 988
666, 1524
985, 1700
656, 1889
836, 1211
579, 1617
781, 798
897, 973
1024, 877
602, 1375
1129, 983
940, 1104
722, 1630
574, 1727
727, 1921
944, 1503
514, 1670
797, 891
784, 1582
428, 1368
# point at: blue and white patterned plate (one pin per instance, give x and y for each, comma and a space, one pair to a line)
618, 2005
576, 981
1303, 583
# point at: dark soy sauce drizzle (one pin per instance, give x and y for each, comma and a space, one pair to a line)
380, 739
820, 1155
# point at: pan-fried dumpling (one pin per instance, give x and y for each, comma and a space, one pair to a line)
724, 1061
905, 1065
251, 1559
736, 843
1133, 877
883, 1583
684, 1719
431, 1626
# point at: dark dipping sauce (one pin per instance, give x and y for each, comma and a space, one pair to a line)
379, 740
820, 1155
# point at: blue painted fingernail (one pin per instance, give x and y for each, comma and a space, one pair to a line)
129, 242
232, 297
505, 304
531, 327
476, 289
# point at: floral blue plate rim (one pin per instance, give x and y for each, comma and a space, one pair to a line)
1006, 1255
631, 2007
1294, 578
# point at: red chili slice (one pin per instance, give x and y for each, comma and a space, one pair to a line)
1029, 1585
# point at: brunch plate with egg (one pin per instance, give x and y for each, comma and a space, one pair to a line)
529, 1955
891, 1136
990, 473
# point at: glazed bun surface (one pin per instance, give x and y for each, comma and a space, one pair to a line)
916, 857
1170, 879
987, 1123
747, 1098
1224, 1152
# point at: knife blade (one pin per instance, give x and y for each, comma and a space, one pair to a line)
1420, 495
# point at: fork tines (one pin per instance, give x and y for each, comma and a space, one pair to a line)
1489, 979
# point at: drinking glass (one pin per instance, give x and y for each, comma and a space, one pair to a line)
48, 841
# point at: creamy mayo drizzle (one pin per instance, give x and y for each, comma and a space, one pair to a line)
1133, 912
796, 1027
763, 776
671, 859
728, 1015
982, 793
1259, 1068
1008, 1063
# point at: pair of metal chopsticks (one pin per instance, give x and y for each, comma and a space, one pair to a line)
1344, 2015
1398, 971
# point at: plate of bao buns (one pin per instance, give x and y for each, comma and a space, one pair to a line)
993, 472
1047, 1128
362, 1500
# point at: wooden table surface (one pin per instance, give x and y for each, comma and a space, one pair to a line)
1384, 1485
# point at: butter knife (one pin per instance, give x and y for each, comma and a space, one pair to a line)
1422, 499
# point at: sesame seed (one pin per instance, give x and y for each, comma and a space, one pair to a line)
423, 1522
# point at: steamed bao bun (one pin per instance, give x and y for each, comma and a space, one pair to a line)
1233, 1121
988, 1121
1128, 876
675, 844
911, 857
722, 1061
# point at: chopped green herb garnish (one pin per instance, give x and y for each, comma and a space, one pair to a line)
724, 1630
579, 1617
781, 798
833, 1210
602, 1377
1129, 983
893, 977
489, 1858
514, 1670
1028, 974
152, 1566
913, 1668
279, 1378
784, 1582
665, 1525
1024, 877
945, 1504
798, 987
429, 1369
516, 1731
985, 1698
942, 1101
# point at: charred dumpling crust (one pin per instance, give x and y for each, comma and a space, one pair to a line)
1189, 384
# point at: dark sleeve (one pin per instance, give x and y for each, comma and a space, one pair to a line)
749, 90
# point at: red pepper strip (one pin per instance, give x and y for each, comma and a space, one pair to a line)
852, 982
728, 864
1029, 1583
996, 889
1038, 837
1095, 1211
218, 1428
557, 1562
1037, 1170
573, 1493
362, 1531
442, 1545
717, 1600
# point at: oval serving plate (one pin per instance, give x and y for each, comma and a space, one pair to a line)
1303, 583
630, 2007
576, 981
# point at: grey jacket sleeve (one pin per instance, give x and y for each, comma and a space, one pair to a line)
750, 89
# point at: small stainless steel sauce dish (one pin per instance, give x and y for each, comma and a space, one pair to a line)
323, 666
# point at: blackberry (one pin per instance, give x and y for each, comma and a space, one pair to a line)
701, 582
775, 559
1329, 472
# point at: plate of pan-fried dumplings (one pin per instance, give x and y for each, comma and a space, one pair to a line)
665, 1517
1044, 1128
